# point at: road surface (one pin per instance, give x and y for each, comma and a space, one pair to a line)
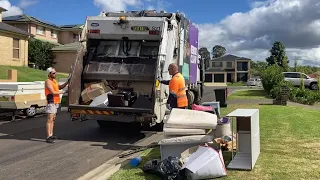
83, 147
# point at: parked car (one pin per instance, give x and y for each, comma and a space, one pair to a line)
254, 82
295, 79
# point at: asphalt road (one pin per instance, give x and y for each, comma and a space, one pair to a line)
83, 147
24, 154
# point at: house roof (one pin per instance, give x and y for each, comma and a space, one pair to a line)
26, 18
3, 9
68, 47
9, 28
48, 41
230, 57
72, 26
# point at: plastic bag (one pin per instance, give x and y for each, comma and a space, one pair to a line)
168, 169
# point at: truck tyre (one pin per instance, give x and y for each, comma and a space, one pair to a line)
313, 86
31, 111
190, 96
105, 124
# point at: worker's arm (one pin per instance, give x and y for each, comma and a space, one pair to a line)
172, 99
64, 84
49, 86
166, 82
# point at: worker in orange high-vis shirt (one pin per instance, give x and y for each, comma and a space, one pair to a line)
177, 97
52, 92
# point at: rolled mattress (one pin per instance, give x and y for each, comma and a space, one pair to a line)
182, 132
186, 139
191, 119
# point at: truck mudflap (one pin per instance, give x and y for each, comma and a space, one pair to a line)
84, 109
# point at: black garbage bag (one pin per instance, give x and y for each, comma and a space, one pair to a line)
168, 169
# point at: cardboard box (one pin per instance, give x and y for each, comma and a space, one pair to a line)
93, 91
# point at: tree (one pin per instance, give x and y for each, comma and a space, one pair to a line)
278, 56
40, 53
218, 51
205, 54
257, 67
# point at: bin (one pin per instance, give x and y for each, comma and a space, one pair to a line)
221, 96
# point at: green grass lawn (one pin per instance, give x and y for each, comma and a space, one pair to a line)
26, 74
248, 94
290, 146
236, 84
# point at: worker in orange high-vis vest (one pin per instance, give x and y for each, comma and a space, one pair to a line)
52, 92
177, 96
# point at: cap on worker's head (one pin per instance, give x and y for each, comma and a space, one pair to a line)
50, 69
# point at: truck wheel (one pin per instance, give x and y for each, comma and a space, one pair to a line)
190, 96
313, 86
31, 111
105, 124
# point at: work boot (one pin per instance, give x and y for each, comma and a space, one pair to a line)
50, 140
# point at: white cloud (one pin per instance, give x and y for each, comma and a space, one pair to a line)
122, 5
27, 3
296, 23
12, 10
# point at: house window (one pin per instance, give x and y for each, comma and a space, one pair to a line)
216, 64
76, 36
53, 34
229, 64
16, 48
40, 30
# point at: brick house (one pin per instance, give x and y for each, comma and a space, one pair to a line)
63, 37
228, 68
13, 44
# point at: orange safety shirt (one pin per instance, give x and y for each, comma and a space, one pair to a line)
52, 98
178, 89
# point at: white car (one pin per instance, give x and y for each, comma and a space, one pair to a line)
254, 82
295, 79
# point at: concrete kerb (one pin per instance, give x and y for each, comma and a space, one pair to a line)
106, 170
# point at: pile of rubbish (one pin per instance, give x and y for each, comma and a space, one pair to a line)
192, 146
102, 94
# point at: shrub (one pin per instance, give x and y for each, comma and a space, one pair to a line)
275, 91
271, 77
40, 53
304, 96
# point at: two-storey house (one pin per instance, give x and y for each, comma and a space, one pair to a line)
13, 44
46, 31
228, 68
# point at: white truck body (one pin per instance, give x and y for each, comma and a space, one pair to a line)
134, 49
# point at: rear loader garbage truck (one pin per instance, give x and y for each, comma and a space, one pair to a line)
123, 57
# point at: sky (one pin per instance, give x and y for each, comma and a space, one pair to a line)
246, 28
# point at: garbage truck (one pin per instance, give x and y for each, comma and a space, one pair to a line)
122, 58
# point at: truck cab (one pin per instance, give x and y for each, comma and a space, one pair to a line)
130, 52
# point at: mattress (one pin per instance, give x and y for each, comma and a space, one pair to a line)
195, 139
191, 119
182, 132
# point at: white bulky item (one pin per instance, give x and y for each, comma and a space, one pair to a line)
182, 132
223, 130
205, 163
190, 119
100, 101
186, 139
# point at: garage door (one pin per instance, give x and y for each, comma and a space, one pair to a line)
208, 78
219, 78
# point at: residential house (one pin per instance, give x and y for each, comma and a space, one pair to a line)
46, 31
228, 68
65, 55
66, 38
13, 44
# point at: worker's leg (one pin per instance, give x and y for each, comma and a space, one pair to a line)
54, 120
50, 112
